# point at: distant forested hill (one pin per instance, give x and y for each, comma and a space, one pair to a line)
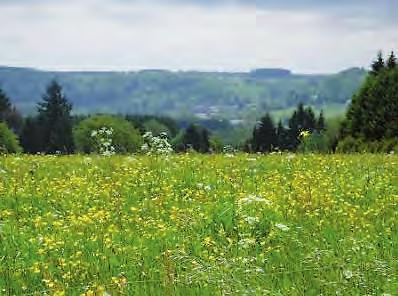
233, 96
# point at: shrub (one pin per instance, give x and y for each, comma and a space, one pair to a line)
316, 142
8, 140
125, 137
352, 145
349, 145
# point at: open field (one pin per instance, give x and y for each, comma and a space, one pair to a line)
204, 225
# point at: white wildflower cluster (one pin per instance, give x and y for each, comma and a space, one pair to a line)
156, 145
228, 149
253, 199
103, 141
282, 227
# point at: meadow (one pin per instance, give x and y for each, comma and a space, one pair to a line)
280, 224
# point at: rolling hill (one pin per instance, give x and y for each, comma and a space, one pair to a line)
233, 96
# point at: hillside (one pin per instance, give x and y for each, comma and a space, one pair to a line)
234, 96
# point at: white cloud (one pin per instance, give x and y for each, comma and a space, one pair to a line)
125, 35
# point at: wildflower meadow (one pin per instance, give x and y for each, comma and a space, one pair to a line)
231, 224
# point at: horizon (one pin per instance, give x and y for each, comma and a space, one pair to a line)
309, 37
173, 70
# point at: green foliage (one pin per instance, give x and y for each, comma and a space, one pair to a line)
196, 138
8, 140
156, 127
315, 143
125, 137
378, 65
264, 135
9, 113
354, 145
154, 124
54, 118
373, 113
392, 61
267, 138
32, 136
216, 145
5, 105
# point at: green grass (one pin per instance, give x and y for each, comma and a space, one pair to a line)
199, 225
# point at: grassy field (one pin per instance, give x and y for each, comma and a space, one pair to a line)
199, 225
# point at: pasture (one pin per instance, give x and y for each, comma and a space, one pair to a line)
199, 225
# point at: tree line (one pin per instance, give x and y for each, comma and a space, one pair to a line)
370, 125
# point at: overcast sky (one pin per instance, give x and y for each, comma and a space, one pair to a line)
225, 35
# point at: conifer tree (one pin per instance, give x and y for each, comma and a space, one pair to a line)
321, 126
392, 61
264, 135
378, 65
373, 113
205, 141
32, 136
282, 137
196, 138
55, 120
5, 105
309, 123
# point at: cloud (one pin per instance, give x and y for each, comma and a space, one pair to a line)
225, 35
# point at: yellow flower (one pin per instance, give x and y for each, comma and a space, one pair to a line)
305, 134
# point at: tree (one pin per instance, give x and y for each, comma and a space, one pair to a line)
155, 127
264, 135
55, 120
196, 138
392, 61
310, 122
5, 105
303, 119
282, 135
373, 113
32, 136
9, 114
125, 137
320, 125
8, 140
378, 65
205, 141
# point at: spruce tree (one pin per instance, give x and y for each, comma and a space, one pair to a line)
205, 141
392, 61
282, 137
378, 65
55, 120
320, 125
5, 105
309, 123
264, 135
196, 138
373, 113
32, 136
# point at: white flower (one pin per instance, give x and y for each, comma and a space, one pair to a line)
252, 199
247, 242
251, 220
291, 156
282, 227
348, 274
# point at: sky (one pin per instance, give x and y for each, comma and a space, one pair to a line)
306, 36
